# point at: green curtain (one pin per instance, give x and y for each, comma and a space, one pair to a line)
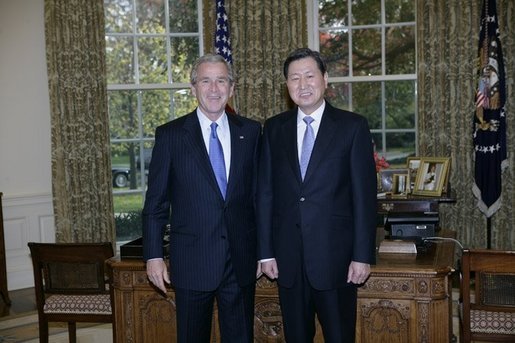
263, 32
447, 41
81, 166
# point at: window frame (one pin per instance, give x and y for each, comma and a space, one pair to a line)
140, 139
314, 43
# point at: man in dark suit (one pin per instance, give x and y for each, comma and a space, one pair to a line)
316, 206
202, 180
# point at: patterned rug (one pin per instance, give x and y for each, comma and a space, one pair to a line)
24, 328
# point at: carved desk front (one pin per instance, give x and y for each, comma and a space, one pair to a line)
406, 299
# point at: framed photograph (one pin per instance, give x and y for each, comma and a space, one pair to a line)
412, 163
431, 176
400, 187
387, 179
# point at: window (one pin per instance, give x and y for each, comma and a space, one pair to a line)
370, 51
150, 48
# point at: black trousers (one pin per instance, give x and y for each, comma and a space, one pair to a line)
334, 308
235, 311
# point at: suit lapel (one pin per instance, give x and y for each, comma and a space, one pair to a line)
289, 129
195, 142
325, 135
237, 138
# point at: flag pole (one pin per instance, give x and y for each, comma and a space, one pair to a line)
488, 232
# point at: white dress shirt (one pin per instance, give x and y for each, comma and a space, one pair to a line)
223, 132
301, 125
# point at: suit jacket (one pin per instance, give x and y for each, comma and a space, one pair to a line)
182, 191
330, 218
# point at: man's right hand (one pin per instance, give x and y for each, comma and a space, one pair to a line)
158, 274
270, 269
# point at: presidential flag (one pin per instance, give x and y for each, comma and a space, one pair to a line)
489, 131
222, 38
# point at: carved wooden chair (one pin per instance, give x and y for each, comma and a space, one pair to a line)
71, 284
487, 296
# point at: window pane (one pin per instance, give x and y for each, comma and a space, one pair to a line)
183, 102
338, 95
400, 50
120, 60
150, 16
118, 16
366, 52
127, 216
366, 12
399, 145
119, 154
399, 11
400, 104
334, 46
184, 53
161, 106
332, 13
126, 160
366, 100
377, 138
152, 60
123, 114
183, 16
155, 109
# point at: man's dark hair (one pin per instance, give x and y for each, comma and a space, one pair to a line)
301, 53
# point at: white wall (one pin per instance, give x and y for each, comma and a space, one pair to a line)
25, 169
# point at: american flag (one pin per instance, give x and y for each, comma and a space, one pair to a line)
222, 38
489, 132
482, 94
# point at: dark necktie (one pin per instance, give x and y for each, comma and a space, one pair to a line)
216, 156
307, 145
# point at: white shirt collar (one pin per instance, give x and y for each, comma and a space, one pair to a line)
205, 122
316, 115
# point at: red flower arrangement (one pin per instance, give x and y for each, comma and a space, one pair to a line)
380, 162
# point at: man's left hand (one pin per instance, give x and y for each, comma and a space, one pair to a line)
358, 272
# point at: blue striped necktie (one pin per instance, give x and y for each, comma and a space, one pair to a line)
307, 145
216, 156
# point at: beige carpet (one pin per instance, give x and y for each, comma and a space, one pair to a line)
24, 328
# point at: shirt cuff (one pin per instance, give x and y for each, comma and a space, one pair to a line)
155, 259
266, 260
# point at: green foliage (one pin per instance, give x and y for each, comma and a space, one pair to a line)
128, 225
127, 202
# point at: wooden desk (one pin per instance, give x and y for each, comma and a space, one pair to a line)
406, 299
4, 292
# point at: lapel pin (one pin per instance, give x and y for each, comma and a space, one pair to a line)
241, 137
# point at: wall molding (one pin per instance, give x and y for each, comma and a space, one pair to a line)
27, 218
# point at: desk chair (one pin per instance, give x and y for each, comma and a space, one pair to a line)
487, 295
71, 284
